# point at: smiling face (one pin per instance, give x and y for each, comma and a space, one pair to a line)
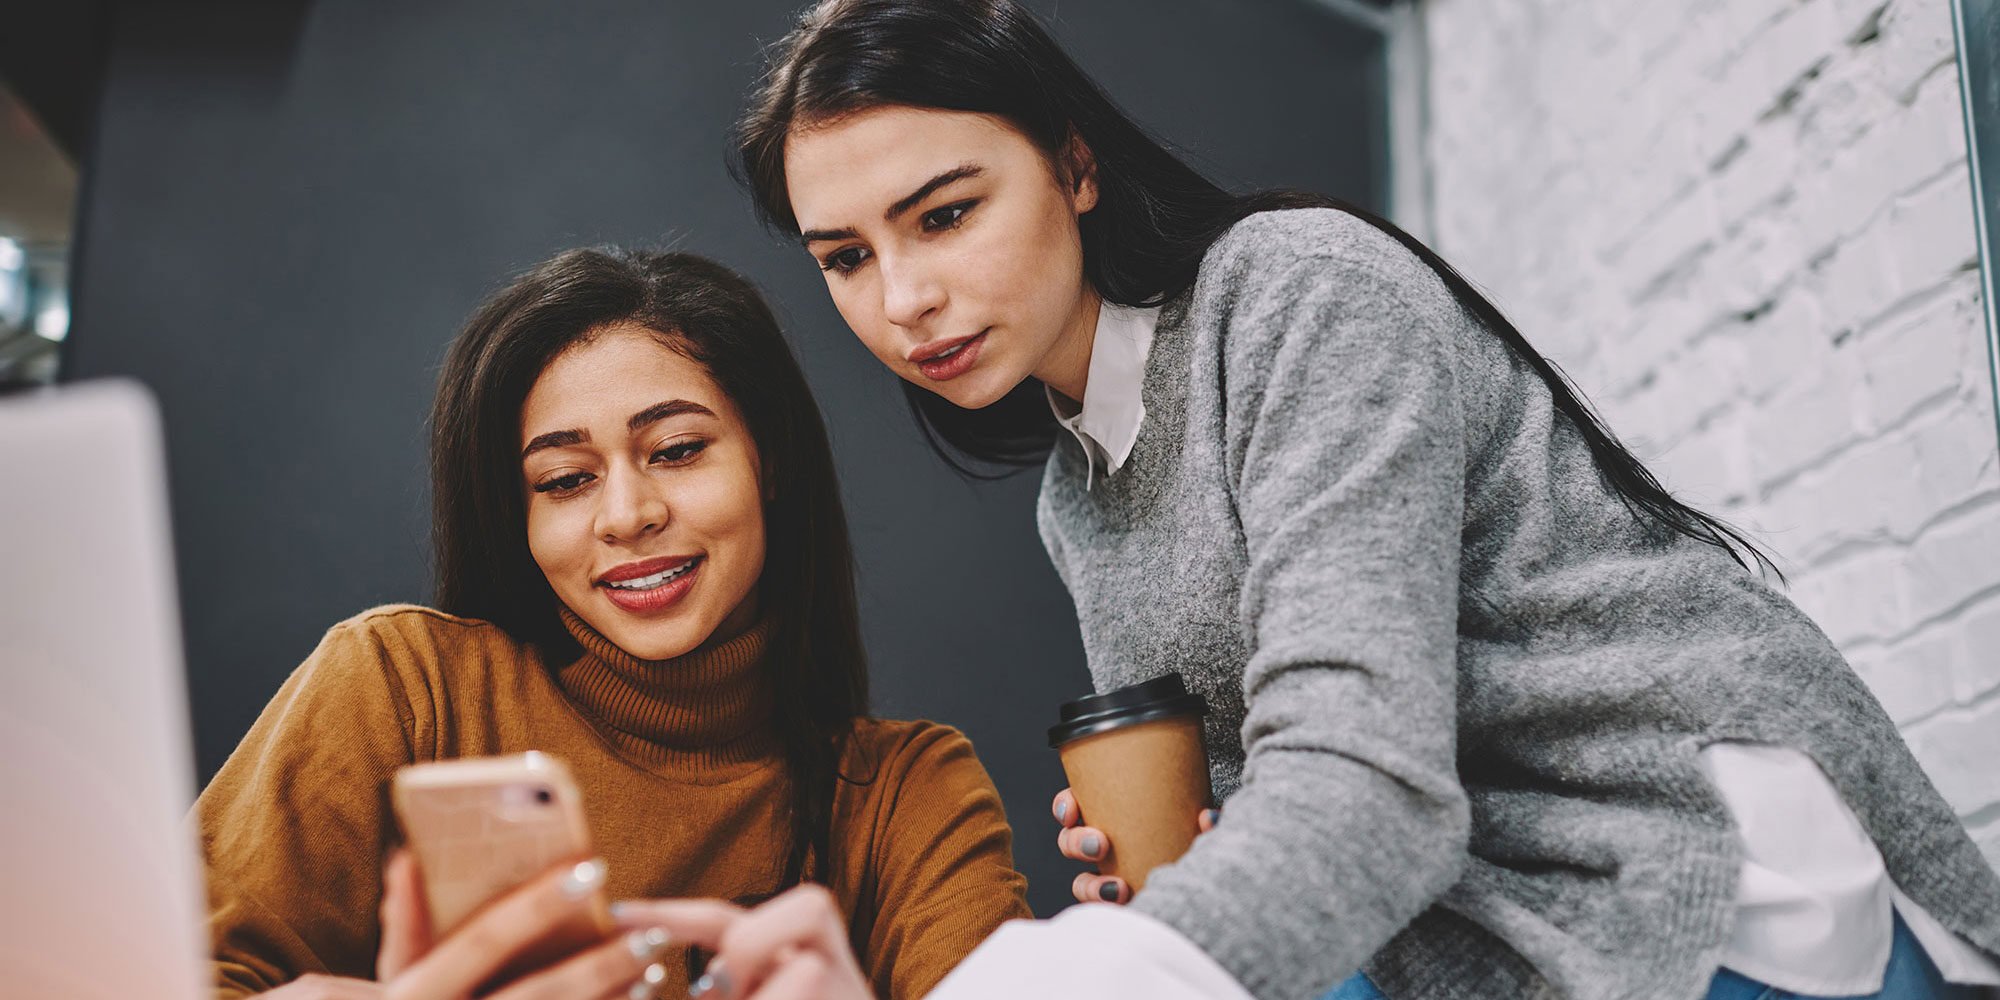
645, 508
950, 246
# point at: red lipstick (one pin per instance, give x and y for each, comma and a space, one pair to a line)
677, 575
939, 366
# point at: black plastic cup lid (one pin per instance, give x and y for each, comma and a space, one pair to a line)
1159, 698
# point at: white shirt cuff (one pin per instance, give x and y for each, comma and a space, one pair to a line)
1091, 950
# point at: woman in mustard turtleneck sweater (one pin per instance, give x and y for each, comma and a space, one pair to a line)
642, 569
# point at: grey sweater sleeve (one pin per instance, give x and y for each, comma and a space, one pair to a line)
1346, 447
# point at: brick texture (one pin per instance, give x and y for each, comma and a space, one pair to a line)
1744, 227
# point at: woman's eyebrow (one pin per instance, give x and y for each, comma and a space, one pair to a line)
663, 410
903, 204
909, 201
554, 439
651, 414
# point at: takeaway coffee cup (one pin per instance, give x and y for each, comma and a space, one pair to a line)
1136, 766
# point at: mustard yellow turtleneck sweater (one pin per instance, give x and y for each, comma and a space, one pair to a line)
681, 776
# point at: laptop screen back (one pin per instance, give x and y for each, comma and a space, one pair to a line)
98, 869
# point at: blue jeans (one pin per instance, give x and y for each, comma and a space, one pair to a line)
1910, 976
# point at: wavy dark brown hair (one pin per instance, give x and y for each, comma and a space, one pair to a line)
1144, 241
709, 314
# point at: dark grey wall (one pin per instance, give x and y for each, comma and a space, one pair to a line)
291, 208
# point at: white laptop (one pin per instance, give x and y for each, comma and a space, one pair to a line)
100, 894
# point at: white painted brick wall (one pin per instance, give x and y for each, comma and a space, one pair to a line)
1745, 228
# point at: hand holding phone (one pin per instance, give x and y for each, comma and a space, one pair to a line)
478, 828
411, 966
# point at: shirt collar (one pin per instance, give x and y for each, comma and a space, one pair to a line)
1107, 422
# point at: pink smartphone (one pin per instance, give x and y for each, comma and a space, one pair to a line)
482, 826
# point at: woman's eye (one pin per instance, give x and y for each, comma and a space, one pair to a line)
564, 484
844, 261
947, 217
675, 454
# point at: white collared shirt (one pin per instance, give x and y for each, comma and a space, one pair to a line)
1107, 421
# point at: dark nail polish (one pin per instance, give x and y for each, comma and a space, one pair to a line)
1214, 816
1109, 891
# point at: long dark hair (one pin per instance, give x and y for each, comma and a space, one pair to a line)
1143, 242
705, 311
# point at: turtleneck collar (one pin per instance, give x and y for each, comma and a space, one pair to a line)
709, 706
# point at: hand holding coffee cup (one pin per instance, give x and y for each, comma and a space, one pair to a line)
1079, 842
1138, 773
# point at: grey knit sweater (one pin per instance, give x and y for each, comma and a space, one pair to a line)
1460, 689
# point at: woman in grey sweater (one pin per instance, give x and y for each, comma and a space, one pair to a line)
1495, 714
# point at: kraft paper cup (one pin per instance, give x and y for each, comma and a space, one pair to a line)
1137, 768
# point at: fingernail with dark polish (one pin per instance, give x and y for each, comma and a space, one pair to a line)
1091, 845
1109, 891
1214, 816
